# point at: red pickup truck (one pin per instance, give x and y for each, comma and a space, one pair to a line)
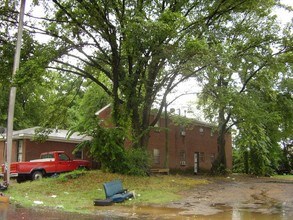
49, 163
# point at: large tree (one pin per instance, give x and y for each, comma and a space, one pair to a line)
141, 47
240, 85
37, 90
6, 59
8, 32
43, 97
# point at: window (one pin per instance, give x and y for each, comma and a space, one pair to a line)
63, 157
182, 131
182, 158
201, 157
212, 158
201, 131
44, 156
78, 154
19, 151
156, 156
182, 155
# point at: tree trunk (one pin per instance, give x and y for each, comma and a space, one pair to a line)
219, 165
166, 160
246, 162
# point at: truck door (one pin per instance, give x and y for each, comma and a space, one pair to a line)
63, 163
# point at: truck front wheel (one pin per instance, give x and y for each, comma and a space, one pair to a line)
20, 179
37, 175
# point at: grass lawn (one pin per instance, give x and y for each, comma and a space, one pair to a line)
76, 191
284, 177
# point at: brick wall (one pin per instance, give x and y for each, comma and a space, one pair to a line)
184, 143
199, 139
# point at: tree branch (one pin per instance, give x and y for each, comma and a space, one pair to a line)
81, 73
251, 76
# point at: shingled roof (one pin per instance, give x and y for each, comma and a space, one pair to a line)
54, 135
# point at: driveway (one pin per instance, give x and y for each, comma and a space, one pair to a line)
265, 195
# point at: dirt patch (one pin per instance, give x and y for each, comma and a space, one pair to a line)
265, 195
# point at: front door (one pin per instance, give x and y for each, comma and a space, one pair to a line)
196, 162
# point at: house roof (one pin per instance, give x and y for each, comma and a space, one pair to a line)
55, 135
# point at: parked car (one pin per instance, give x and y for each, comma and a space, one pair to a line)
48, 164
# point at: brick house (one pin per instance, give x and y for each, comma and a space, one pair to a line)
192, 147
25, 148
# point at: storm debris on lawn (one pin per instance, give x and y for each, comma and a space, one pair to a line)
38, 202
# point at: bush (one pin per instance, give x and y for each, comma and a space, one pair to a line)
107, 147
138, 162
71, 175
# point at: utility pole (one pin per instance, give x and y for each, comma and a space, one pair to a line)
13, 95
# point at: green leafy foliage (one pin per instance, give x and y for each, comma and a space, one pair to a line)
138, 162
71, 175
41, 134
106, 148
239, 87
82, 114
